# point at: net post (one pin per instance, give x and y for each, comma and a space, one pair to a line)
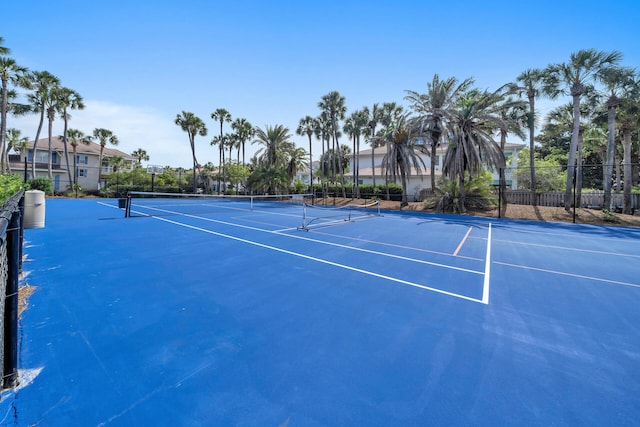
127, 207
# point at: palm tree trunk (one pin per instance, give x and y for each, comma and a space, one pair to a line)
357, 167
195, 162
579, 162
373, 165
503, 181
66, 149
571, 164
532, 157
403, 178
611, 147
627, 170
310, 166
50, 165
35, 144
75, 168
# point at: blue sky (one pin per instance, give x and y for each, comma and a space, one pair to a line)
139, 63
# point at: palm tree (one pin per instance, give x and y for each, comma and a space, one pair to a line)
193, 125
244, 132
15, 141
140, 155
10, 72
323, 132
374, 119
618, 81
530, 82
574, 78
221, 115
76, 137
297, 161
472, 146
630, 110
560, 121
401, 155
104, 136
3, 49
68, 99
333, 104
41, 84
276, 144
433, 112
355, 126
307, 126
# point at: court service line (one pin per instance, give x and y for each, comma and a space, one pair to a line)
391, 245
464, 239
320, 260
291, 236
487, 269
590, 251
561, 273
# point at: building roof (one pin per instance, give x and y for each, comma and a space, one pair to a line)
92, 148
441, 149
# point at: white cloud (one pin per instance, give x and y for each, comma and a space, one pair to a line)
135, 127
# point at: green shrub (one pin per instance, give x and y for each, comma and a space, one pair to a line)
9, 185
41, 183
478, 195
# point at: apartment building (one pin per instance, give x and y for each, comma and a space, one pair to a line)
88, 172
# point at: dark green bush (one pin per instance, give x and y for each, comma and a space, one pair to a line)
9, 185
40, 183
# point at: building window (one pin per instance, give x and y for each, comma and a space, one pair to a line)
81, 172
82, 160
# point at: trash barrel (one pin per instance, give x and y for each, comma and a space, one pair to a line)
34, 209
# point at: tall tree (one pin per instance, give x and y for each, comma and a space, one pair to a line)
307, 126
221, 115
401, 156
618, 81
104, 136
433, 111
574, 78
530, 83
275, 142
76, 137
472, 145
15, 141
10, 72
68, 100
333, 104
244, 132
630, 110
140, 155
41, 85
374, 119
3, 49
192, 125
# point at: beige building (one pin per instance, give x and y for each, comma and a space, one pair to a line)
88, 172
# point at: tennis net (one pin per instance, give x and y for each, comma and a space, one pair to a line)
140, 203
315, 216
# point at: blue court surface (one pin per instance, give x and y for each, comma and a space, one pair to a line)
238, 318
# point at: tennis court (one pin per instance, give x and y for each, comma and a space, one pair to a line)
231, 315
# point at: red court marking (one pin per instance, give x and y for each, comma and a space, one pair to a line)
464, 239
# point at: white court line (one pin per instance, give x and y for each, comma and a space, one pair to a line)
590, 251
393, 245
291, 236
561, 273
320, 260
464, 239
487, 270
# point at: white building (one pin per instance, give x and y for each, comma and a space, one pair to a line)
89, 173
417, 182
